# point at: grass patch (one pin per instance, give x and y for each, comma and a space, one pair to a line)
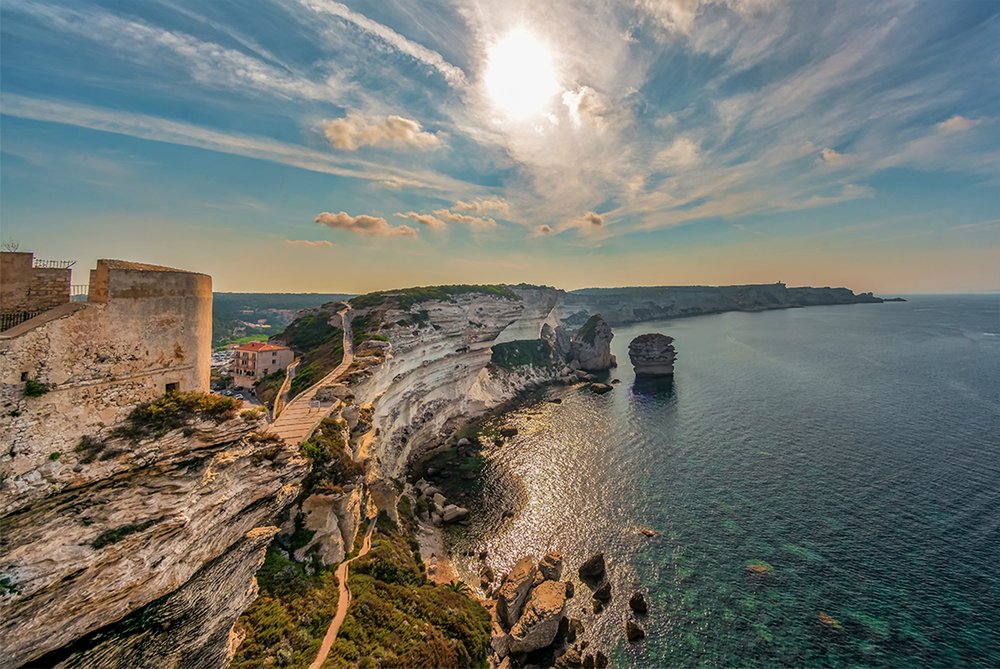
535, 352
285, 625
319, 344
246, 339
397, 619
172, 411
267, 388
407, 297
35, 388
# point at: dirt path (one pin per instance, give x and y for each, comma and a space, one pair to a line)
302, 415
342, 602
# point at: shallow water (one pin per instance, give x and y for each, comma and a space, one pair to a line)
854, 449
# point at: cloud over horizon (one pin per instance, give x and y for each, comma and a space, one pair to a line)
367, 226
353, 131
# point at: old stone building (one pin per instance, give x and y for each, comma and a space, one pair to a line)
75, 368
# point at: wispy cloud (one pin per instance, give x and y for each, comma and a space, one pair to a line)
476, 222
355, 131
454, 75
426, 220
364, 225
309, 243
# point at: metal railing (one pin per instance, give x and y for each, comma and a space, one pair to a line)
79, 292
10, 320
52, 264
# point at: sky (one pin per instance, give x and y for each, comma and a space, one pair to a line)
313, 145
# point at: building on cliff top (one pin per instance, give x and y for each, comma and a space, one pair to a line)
257, 359
69, 368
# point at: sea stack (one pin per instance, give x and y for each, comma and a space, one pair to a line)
652, 355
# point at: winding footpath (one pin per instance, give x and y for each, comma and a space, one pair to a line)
343, 601
303, 414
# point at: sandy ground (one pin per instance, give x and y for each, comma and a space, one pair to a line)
432, 550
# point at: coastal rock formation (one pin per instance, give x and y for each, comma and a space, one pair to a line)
593, 569
333, 519
551, 566
652, 355
539, 623
590, 347
633, 631
93, 554
637, 602
514, 591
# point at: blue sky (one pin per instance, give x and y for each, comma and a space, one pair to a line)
311, 145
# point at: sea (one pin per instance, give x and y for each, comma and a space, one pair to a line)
824, 483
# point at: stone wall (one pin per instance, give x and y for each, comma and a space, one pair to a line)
26, 288
151, 332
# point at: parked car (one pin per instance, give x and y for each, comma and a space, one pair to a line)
240, 396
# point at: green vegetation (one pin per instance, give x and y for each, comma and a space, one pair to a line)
245, 339
397, 619
320, 345
286, 623
536, 352
55, 455
172, 411
231, 310
267, 388
588, 331
119, 533
331, 463
407, 297
364, 328
35, 388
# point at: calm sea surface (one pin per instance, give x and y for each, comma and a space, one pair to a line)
853, 449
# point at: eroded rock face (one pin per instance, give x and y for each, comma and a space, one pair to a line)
514, 591
551, 566
334, 520
652, 355
539, 623
88, 556
590, 347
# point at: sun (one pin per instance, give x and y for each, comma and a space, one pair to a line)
520, 76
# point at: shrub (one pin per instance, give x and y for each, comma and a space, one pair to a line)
35, 388
55, 455
331, 463
536, 352
174, 410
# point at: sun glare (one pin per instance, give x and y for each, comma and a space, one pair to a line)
520, 76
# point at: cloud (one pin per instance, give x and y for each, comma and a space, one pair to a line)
452, 74
541, 230
309, 243
833, 158
588, 220
480, 223
353, 131
586, 106
164, 130
367, 226
484, 205
427, 220
958, 123
683, 152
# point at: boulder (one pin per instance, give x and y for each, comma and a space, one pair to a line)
436, 519
590, 347
514, 591
539, 623
652, 355
597, 606
593, 569
601, 388
453, 513
633, 632
570, 589
637, 602
508, 431
439, 500
551, 566
600, 660
574, 629
571, 658
463, 442
603, 593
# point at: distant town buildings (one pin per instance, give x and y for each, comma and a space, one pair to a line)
256, 360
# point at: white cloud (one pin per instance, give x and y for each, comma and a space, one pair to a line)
683, 152
479, 223
591, 220
454, 75
833, 158
958, 123
426, 220
367, 226
484, 205
353, 131
309, 243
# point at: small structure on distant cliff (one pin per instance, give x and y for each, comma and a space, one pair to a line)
652, 355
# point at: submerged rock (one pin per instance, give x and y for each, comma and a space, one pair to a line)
453, 513
593, 569
637, 602
603, 593
551, 566
652, 355
601, 388
633, 631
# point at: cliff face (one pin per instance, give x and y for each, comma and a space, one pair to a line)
169, 529
436, 371
632, 305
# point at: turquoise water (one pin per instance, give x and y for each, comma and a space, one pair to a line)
854, 449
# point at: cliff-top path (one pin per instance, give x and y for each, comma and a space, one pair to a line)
303, 414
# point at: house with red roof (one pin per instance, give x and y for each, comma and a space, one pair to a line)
257, 359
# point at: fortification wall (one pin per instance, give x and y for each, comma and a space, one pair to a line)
99, 360
27, 288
